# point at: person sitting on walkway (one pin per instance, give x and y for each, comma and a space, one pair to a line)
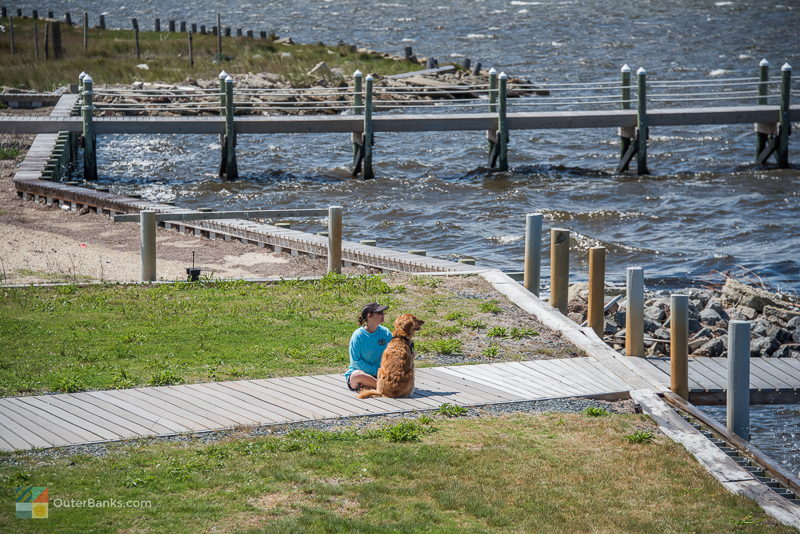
366, 348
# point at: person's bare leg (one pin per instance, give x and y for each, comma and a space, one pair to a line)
360, 379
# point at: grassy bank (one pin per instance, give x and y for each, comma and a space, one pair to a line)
111, 58
522, 473
72, 338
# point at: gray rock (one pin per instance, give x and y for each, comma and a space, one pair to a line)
796, 336
716, 305
780, 334
710, 316
793, 323
651, 326
704, 332
610, 329
694, 326
661, 333
713, 347
749, 313
695, 344
779, 315
763, 346
744, 295
703, 295
654, 313
660, 303
784, 351
724, 339
761, 327
619, 318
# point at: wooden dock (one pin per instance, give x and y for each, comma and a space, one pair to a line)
95, 416
772, 380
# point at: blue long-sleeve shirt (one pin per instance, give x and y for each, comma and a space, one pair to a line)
366, 350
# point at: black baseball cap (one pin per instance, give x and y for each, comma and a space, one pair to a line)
372, 307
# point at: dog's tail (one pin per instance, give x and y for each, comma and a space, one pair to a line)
367, 393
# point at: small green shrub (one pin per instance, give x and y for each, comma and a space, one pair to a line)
596, 411
426, 281
425, 419
640, 436
475, 324
452, 410
166, 377
491, 351
497, 331
68, 384
455, 316
490, 306
9, 153
121, 380
519, 333
441, 346
403, 432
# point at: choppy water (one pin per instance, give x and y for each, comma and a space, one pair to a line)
773, 429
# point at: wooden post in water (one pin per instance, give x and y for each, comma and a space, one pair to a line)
679, 345
532, 269
597, 285
641, 122
68, 18
171, 25
183, 26
559, 268
219, 35
502, 123
368, 132
738, 395
58, 50
191, 50
358, 102
136, 40
157, 25
231, 170
89, 148
625, 134
762, 138
12, 47
147, 223
785, 126
102, 21
491, 135
634, 315
85, 31
47, 40
335, 239
36, 39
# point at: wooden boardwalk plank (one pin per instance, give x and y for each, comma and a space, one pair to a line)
335, 385
206, 403
470, 385
17, 433
40, 431
499, 382
767, 374
292, 387
138, 409
454, 390
249, 393
187, 405
341, 398
560, 383
539, 384
707, 377
234, 402
87, 419
62, 423
314, 409
166, 410
123, 417
578, 375
593, 365
789, 367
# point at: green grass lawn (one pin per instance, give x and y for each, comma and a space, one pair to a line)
519, 473
73, 338
111, 58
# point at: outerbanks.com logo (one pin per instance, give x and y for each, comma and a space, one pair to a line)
32, 503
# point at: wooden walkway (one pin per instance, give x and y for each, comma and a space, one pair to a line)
772, 380
44, 421
430, 122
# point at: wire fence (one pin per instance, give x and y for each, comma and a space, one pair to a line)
440, 98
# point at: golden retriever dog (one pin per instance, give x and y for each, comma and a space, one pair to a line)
396, 374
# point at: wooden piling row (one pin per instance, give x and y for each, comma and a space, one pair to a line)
89, 139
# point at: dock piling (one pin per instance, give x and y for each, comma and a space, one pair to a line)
369, 136
85, 31
762, 137
230, 170
219, 36
738, 398
12, 47
191, 49
784, 126
102, 22
626, 133
679, 345
533, 252
335, 239
36, 39
641, 123
89, 141
147, 223
559, 268
634, 316
358, 102
157, 25
502, 123
491, 135
597, 281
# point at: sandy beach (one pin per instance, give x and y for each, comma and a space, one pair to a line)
40, 243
